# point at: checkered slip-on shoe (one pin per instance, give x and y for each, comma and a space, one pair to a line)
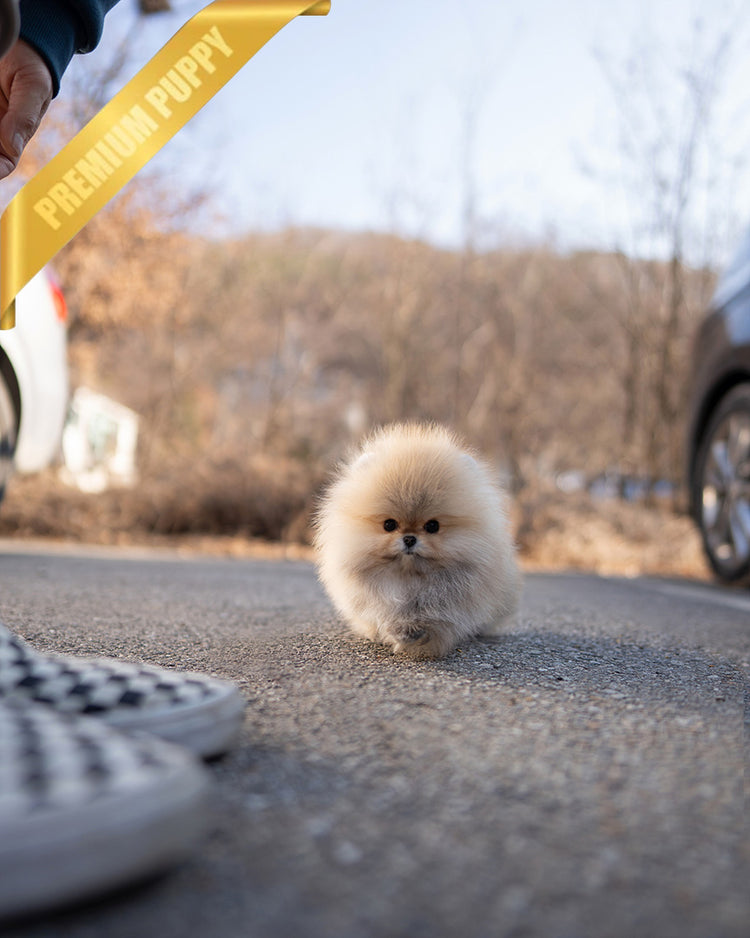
85, 808
198, 712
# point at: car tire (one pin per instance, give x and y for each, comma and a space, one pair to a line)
8, 432
722, 487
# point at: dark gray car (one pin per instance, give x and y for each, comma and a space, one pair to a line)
719, 425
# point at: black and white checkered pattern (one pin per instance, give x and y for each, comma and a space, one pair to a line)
192, 709
85, 808
50, 760
73, 685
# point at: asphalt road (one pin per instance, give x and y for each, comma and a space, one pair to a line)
582, 775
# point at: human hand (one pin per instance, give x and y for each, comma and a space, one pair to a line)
25, 93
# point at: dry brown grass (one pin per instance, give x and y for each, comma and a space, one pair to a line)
554, 531
608, 536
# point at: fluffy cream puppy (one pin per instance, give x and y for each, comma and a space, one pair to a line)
413, 543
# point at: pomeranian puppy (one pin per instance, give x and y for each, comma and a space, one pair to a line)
413, 545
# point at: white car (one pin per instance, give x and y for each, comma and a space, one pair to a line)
33, 379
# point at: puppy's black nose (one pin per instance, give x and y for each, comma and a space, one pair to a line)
409, 540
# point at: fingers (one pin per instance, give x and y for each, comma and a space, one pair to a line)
25, 93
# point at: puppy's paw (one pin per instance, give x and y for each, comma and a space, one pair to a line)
421, 638
415, 633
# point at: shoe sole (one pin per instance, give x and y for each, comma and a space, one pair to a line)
63, 857
206, 728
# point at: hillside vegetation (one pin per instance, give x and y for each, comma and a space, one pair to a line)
255, 362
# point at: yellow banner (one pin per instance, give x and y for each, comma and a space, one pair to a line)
196, 62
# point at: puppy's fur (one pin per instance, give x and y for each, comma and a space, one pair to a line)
413, 544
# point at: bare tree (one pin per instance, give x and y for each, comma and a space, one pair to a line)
674, 167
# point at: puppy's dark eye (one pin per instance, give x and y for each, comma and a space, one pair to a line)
432, 526
390, 524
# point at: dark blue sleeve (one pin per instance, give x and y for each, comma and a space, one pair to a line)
57, 29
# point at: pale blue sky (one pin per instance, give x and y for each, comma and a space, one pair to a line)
356, 120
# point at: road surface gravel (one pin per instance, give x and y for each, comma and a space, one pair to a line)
580, 776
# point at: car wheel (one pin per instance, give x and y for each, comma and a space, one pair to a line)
8, 430
722, 492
